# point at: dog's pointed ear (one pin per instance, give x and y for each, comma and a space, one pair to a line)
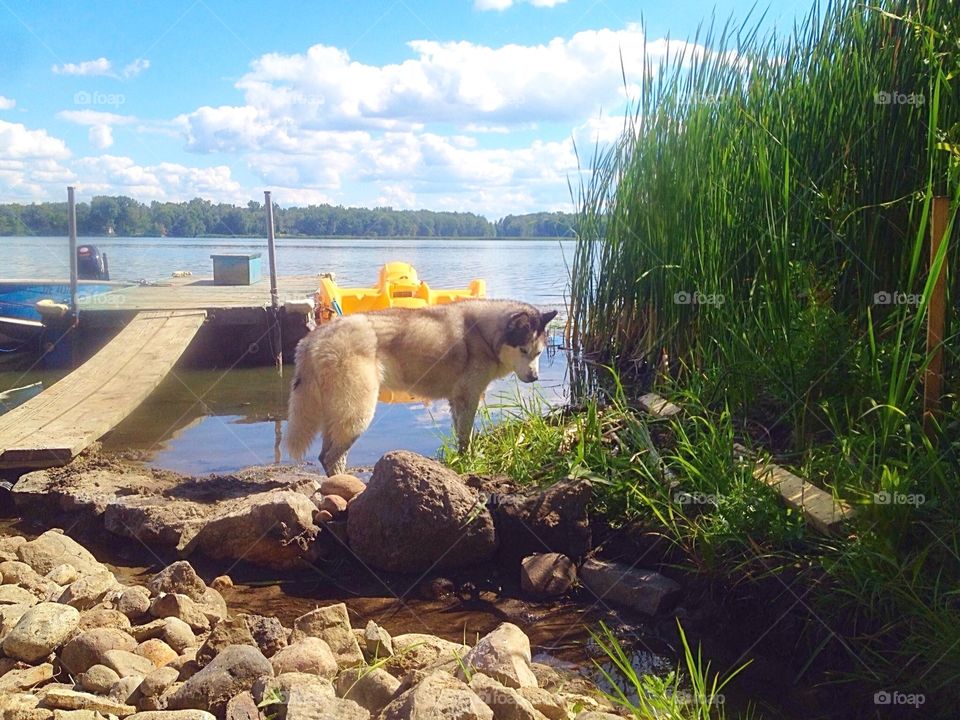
545, 319
519, 329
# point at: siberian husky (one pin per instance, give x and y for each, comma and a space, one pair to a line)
449, 352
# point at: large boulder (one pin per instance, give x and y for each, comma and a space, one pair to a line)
555, 520
40, 630
89, 648
180, 577
417, 515
274, 529
233, 671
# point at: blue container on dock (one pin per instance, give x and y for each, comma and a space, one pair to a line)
237, 269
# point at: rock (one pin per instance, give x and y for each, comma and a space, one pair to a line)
177, 634
9, 545
417, 651
438, 696
53, 548
97, 679
213, 605
19, 573
173, 715
222, 582
159, 680
547, 703
234, 670
182, 608
417, 515
645, 591
345, 486
85, 593
41, 630
243, 707
547, 575
63, 574
73, 700
12, 571
371, 689
377, 643
134, 602
332, 625
181, 578
267, 632
555, 520
25, 678
303, 706
280, 686
13, 595
127, 663
333, 504
104, 618
127, 689
10, 615
503, 654
90, 647
597, 715
506, 703
272, 529
156, 651
324, 516
229, 631
309, 655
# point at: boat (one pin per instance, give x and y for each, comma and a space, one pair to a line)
27, 305
397, 286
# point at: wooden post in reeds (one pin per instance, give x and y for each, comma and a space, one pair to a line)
276, 338
936, 318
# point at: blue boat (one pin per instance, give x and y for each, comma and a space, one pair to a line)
19, 317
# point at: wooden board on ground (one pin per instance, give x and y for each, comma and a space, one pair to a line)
819, 507
53, 427
658, 406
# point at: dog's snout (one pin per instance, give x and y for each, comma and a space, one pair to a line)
532, 377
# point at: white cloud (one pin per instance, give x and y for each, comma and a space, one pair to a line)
94, 117
100, 66
100, 136
500, 5
18, 143
134, 68
7, 103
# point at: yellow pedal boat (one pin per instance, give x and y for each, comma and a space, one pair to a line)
397, 286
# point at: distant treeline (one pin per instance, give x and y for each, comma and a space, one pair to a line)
124, 216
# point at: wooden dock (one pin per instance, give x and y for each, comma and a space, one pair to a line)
53, 427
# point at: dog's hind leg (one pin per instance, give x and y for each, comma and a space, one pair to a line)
463, 410
350, 412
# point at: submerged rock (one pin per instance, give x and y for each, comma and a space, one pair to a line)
645, 591
547, 575
417, 515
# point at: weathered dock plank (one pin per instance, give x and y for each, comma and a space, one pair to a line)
53, 427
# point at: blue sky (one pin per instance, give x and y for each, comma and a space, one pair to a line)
439, 104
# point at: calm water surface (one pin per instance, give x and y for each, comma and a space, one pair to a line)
202, 421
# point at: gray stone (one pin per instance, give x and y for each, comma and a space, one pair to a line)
89, 648
234, 670
126, 663
309, 655
19, 679
182, 608
229, 631
102, 617
267, 632
41, 630
177, 634
97, 679
53, 548
547, 575
73, 700
157, 681
370, 688
377, 642
126, 689
173, 715
418, 651
332, 625
645, 591
437, 696
544, 701
244, 707
344, 486
134, 602
63, 574
85, 593
503, 654
13, 595
506, 703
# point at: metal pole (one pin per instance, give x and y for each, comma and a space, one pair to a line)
276, 339
72, 225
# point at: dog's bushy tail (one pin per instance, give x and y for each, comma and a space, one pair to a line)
304, 417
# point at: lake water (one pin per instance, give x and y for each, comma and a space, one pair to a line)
202, 421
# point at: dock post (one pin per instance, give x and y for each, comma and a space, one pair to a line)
276, 338
936, 318
72, 226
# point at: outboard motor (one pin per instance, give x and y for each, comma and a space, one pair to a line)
92, 264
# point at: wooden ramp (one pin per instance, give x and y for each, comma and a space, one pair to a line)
53, 427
